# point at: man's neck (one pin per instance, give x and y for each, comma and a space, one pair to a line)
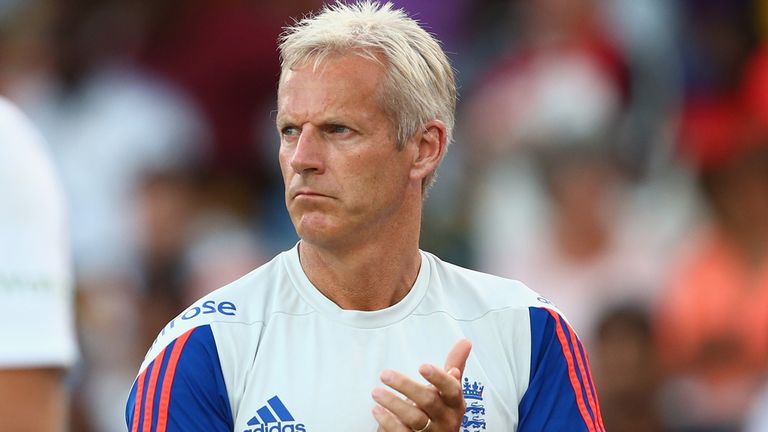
369, 277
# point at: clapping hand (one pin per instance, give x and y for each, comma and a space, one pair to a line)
435, 407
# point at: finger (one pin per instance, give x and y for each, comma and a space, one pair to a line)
406, 411
387, 421
457, 358
403, 384
448, 385
455, 373
427, 397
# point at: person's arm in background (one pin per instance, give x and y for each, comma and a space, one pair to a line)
37, 341
32, 400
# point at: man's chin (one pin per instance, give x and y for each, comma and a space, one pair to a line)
325, 237
313, 229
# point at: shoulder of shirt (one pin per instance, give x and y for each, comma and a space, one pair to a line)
248, 301
24, 161
466, 294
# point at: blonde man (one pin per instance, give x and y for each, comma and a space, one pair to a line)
355, 328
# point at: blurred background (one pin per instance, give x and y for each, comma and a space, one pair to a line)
611, 154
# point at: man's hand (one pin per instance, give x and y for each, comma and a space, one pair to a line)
437, 407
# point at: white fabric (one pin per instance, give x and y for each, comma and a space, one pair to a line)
757, 420
285, 338
36, 321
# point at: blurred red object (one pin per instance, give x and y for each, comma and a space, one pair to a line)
223, 54
717, 129
755, 90
708, 131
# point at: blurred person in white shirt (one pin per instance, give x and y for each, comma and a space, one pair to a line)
37, 339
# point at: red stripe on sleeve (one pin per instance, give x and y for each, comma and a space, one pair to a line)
597, 399
170, 371
149, 404
137, 401
585, 382
572, 373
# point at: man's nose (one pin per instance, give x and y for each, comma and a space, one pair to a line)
309, 154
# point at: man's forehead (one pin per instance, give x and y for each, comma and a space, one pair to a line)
319, 63
336, 82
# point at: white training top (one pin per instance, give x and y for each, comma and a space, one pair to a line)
270, 353
36, 317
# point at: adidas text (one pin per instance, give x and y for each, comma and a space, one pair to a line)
278, 427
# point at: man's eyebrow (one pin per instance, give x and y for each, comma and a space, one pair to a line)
286, 120
335, 119
283, 120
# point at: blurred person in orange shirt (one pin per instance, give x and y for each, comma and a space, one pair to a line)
713, 322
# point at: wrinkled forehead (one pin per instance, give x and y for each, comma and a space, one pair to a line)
344, 83
337, 81
319, 59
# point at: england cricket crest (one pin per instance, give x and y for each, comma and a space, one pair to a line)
474, 415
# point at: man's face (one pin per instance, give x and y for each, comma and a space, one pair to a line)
344, 178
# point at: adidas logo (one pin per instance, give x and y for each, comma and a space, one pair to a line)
274, 417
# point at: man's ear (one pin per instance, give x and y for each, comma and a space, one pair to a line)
431, 142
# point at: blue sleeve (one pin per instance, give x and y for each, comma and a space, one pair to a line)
561, 394
182, 389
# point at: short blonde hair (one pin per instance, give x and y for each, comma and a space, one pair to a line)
419, 84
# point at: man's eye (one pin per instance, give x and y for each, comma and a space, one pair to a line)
338, 129
290, 130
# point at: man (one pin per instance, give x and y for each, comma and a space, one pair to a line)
36, 319
345, 331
